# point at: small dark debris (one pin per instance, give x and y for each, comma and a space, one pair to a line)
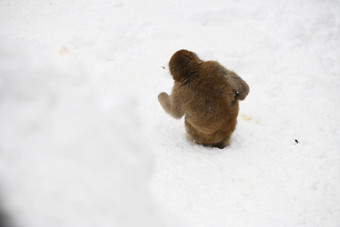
296, 141
163, 67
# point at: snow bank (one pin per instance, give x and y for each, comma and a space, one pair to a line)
69, 157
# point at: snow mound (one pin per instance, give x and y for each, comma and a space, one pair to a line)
69, 156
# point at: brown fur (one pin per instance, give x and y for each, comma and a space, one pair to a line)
207, 94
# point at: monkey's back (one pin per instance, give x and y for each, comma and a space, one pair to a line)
210, 105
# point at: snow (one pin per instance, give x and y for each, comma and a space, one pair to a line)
84, 141
70, 157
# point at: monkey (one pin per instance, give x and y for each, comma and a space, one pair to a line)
207, 94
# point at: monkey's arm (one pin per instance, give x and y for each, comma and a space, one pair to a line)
170, 105
239, 85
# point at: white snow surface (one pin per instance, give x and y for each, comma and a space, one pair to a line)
84, 141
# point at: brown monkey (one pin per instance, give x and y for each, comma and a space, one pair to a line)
207, 94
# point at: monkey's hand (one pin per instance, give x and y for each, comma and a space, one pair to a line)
166, 102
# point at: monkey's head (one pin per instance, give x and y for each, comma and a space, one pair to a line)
183, 65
